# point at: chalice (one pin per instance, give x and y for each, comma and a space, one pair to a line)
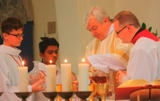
102, 83
92, 88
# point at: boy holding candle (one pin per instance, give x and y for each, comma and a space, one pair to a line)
48, 48
12, 35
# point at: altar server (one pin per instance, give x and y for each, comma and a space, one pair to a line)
144, 61
10, 60
48, 51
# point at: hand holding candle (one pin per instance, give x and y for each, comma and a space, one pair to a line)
23, 78
83, 75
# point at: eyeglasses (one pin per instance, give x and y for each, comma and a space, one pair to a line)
121, 29
17, 35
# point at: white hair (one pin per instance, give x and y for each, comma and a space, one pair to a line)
96, 12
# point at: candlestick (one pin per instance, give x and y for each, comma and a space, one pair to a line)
66, 95
1, 93
83, 76
51, 77
50, 95
23, 95
23, 78
83, 95
66, 76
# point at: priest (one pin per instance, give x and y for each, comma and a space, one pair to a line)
98, 22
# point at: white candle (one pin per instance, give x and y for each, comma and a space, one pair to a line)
51, 78
66, 76
83, 76
23, 78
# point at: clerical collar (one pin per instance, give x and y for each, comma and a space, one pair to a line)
111, 29
144, 33
141, 29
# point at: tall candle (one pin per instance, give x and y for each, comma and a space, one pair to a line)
51, 78
83, 76
66, 76
23, 78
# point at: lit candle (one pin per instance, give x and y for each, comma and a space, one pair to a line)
66, 76
51, 77
23, 78
83, 76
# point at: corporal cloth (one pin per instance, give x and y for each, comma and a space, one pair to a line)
106, 60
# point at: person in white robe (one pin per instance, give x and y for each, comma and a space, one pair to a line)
48, 48
144, 62
12, 35
105, 41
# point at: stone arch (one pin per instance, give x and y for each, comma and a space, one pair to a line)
21, 9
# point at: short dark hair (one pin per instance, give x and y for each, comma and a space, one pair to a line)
127, 17
47, 42
11, 23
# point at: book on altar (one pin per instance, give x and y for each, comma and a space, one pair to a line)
124, 90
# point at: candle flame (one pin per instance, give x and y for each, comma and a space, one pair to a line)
83, 60
50, 61
22, 63
65, 61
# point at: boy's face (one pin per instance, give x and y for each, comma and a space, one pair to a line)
51, 53
14, 38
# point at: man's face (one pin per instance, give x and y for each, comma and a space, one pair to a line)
14, 38
97, 29
123, 32
51, 53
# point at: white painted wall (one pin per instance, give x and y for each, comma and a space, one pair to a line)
44, 12
147, 11
71, 33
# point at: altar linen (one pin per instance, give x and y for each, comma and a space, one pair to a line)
104, 62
